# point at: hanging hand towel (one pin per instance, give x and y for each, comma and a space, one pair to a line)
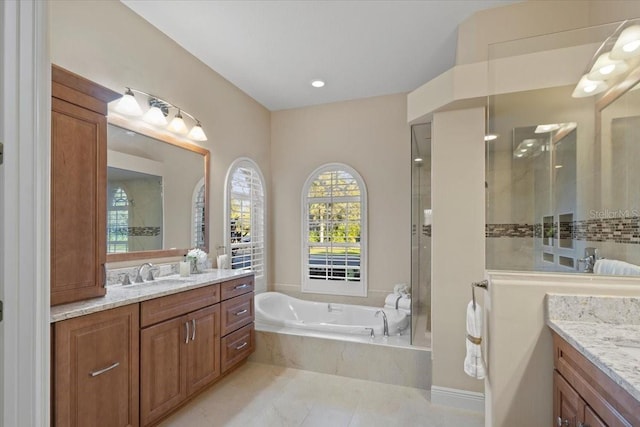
473, 363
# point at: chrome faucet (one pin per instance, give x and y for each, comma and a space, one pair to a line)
589, 260
138, 278
385, 330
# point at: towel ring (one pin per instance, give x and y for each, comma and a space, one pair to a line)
484, 284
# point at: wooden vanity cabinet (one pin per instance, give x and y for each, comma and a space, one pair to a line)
584, 396
95, 369
179, 355
78, 186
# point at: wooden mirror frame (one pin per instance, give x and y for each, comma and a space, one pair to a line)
120, 121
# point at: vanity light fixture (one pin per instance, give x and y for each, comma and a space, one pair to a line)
606, 68
128, 104
587, 87
547, 128
628, 43
157, 114
177, 125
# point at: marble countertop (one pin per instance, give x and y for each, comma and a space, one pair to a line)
605, 329
118, 295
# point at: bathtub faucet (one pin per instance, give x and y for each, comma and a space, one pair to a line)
385, 330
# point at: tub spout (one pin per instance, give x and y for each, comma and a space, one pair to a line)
385, 324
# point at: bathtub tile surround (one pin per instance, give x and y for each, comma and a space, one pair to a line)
264, 395
605, 329
408, 366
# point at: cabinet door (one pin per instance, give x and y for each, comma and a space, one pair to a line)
203, 349
96, 369
568, 407
163, 368
591, 419
78, 211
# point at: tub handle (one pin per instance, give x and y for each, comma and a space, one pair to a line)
371, 330
241, 312
241, 346
243, 286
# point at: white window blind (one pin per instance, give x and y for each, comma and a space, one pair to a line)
198, 215
118, 221
334, 231
246, 218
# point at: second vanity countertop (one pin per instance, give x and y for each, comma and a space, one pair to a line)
606, 330
118, 295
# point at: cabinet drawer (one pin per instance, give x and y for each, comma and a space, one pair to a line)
236, 312
237, 346
159, 309
236, 287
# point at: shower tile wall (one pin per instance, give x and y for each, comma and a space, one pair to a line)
589, 187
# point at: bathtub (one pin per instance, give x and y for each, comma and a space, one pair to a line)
274, 308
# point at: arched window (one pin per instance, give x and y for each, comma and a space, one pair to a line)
118, 221
245, 219
334, 221
198, 214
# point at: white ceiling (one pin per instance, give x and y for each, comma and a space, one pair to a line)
273, 49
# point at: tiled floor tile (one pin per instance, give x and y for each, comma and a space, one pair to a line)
259, 395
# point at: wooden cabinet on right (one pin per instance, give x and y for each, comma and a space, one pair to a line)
584, 396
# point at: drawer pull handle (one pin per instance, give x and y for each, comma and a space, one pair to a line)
102, 371
241, 346
193, 335
563, 422
186, 340
241, 312
243, 286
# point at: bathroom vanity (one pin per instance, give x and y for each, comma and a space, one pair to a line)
596, 380
135, 355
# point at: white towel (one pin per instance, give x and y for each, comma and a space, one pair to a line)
223, 261
615, 267
392, 298
473, 364
401, 288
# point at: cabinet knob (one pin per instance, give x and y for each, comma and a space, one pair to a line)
563, 423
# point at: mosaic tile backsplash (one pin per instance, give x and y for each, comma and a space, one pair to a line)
616, 229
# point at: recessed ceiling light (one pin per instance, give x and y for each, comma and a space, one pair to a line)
317, 83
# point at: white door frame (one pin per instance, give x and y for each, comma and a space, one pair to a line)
25, 121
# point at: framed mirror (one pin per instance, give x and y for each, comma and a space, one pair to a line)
157, 193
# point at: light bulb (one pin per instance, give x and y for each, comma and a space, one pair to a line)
128, 105
177, 125
197, 133
628, 43
605, 68
155, 116
587, 87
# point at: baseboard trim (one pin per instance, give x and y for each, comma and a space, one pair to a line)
461, 399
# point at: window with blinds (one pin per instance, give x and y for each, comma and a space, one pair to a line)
118, 221
198, 215
334, 227
246, 218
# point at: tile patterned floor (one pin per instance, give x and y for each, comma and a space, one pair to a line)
265, 395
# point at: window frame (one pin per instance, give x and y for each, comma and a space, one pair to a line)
198, 189
334, 287
118, 209
246, 162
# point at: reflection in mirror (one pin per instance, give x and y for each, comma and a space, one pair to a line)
134, 211
156, 196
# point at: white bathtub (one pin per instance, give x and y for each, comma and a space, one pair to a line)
278, 309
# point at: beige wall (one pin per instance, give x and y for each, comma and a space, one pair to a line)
532, 18
372, 136
457, 200
108, 43
520, 351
